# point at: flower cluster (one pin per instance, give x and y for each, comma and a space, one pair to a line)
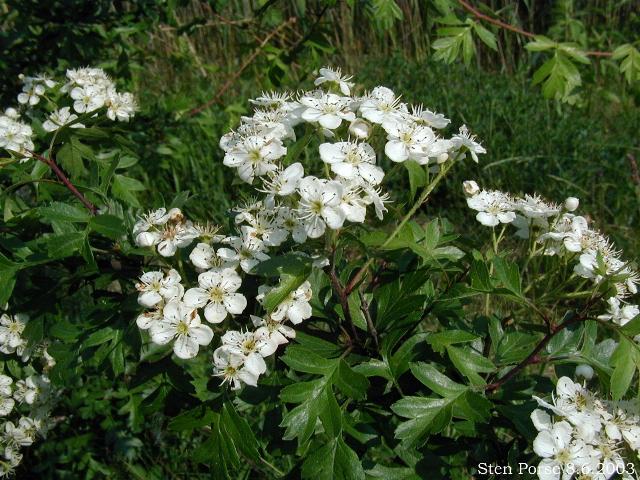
562, 232
26, 396
173, 315
584, 435
295, 206
86, 90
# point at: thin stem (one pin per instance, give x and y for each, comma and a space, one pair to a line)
343, 297
517, 30
65, 180
423, 198
364, 306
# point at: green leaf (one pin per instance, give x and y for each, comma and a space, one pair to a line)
630, 62
123, 188
64, 212
334, 460
99, 337
487, 37
352, 384
71, 160
108, 225
439, 341
436, 381
625, 362
470, 363
508, 274
60, 246
540, 44
417, 177
427, 416
240, 432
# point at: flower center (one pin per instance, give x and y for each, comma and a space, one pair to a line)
316, 207
182, 328
216, 295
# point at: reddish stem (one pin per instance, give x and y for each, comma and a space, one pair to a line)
65, 180
513, 28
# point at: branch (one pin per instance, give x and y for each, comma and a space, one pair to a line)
232, 79
364, 306
342, 296
65, 180
513, 28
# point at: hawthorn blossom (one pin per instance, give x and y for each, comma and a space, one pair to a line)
245, 251
32, 90
335, 77
254, 156
253, 347
87, 99
155, 287
168, 230
352, 160
534, 206
6, 401
204, 257
11, 328
426, 117
382, 105
15, 136
319, 205
620, 314
230, 366
283, 182
181, 324
60, 118
493, 207
327, 109
266, 229
34, 389
296, 306
465, 139
276, 331
217, 293
410, 141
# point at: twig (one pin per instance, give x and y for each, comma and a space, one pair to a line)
635, 174
65, 180
232, 79
513, 28
342, 296
533, 357
364, 306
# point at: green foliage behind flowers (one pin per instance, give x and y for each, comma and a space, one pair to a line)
321, 327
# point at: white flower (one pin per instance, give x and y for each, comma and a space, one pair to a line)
182, 324
493, 207
169, 231
558, 451
87, 99
288, 219
585, 371
334, 76
120, 106
465, 139
31, 92
60, 118
271, 99
427, 117
246, 252
217, 294
296, 306
204, 257
254, 156
11, 328
146, 319
378, 198
352, 201
534, 206
470, 188
320, 205
620, 315
382, 104
6, 402
276, 332
230, 366
328, 109
283, 182
360, 129
571, 204
15, 136
154, 287
266, 229
252, 346
352, 160
410, 141
21, 434
35, 388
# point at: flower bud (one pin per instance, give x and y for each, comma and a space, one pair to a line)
470, 188
360, 129
585, 371
443, 157
571, 204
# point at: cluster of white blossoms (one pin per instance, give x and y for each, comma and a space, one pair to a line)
582, 436
293, 208
85, 90
561, 232
26, 396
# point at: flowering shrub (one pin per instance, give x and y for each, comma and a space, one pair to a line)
327, 330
